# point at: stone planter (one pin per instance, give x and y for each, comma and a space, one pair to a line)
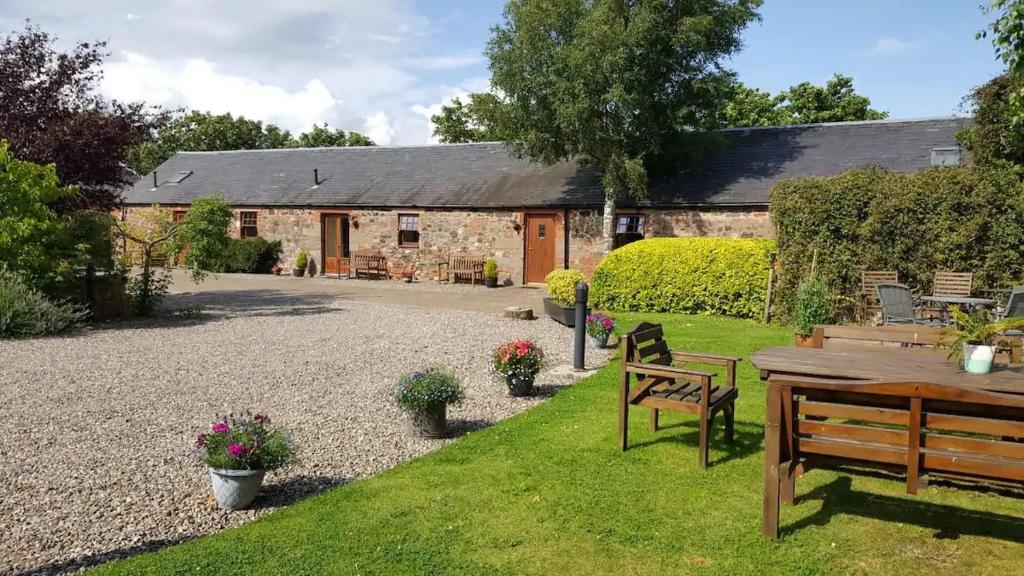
429, 423
978, 358
564, 316
235, 489
803, 341
491, 282
599, 342
520, 385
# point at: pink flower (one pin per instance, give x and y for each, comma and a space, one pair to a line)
261, 418
201, 441
220, 427
236, 450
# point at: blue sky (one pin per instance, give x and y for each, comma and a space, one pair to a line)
382, 67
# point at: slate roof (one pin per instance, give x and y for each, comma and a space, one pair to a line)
739, 173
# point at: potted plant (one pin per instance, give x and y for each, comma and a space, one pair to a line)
407, 275
812, 306
518, 362
301, 262
491, 273
561, 301
599, 327
238, 452
425, 396
973, 338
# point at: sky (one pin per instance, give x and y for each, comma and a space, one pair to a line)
383, 67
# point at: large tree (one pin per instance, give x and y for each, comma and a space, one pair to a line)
204, 132
805, 103
473, 121
618, 84
52, 113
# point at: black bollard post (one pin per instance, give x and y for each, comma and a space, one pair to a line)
582, 292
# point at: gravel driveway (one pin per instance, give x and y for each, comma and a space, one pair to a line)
96, 429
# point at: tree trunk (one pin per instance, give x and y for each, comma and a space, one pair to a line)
608, 224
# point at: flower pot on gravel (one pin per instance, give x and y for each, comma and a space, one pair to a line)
520, 385
491, 282
431, 422
235, 489
599, 341
978, 358
564, 316
599, 327
298, 272
425, 395
238, 452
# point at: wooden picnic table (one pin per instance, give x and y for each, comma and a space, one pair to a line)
883, 363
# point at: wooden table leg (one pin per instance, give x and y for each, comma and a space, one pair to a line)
772, 446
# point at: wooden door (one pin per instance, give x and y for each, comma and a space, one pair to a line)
540, 246
334, 233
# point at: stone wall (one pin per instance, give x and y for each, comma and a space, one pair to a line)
494, 233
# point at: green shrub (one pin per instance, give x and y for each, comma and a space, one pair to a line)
967, 219
561, 285
251, 255
490, 268
812, 305
301, 260
421, 390
25, 311
685, 275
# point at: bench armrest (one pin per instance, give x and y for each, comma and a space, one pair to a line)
666, 371
705, 358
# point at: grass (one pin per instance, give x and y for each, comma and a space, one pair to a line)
547, 492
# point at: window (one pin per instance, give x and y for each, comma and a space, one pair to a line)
177, 178
248, 225
178, 215
629, 228
946, 156
409, 230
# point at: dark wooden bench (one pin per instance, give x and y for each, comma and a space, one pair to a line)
662, 383
369, 264
461, 267
914, 428
905, 335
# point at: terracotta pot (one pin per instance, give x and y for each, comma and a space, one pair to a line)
803, 341
431, 422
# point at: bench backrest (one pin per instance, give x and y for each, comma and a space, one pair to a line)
916, 426
952, 284
902, 334
465, 263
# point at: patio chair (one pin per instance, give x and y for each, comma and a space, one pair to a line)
870, 306
952, 283
1014, 341
663, 384
898, 306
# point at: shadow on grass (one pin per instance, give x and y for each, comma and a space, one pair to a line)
196, 308
949, 522
295, 489
748, 438
462, 426
83, 562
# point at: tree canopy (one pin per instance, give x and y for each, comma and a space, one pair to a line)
474, 121
204, 131
52, 113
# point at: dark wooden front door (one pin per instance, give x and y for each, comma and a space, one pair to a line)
334, 233
540, 246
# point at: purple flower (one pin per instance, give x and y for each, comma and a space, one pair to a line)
261, 418
201, 441
220, 427
237, 450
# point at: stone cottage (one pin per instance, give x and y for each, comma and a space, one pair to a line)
418, 205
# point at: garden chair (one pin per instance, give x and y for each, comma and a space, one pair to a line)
898, 306
662, 383
869, 296
1014, 309
952, 284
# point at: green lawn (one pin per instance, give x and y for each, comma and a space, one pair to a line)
547, 492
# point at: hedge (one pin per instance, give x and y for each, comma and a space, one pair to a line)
252, 255
686, 275
963, 219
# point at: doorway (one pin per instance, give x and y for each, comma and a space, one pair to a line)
334, 237
540, 246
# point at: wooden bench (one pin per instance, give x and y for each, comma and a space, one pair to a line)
915, 428
461, 267
870, 306
369, 264
904, 335
664, 384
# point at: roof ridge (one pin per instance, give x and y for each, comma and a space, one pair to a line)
345, 148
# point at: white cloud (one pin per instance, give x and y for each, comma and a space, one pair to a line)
892, 47
445, 62
379, 128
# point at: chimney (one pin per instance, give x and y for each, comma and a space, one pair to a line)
154, 179
316, 177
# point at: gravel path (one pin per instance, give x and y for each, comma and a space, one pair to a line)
96, 429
